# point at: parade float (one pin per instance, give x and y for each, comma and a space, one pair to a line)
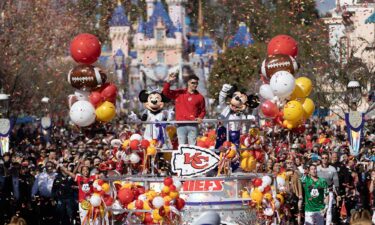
149, 181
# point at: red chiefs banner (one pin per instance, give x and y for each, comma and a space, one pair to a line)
203, 186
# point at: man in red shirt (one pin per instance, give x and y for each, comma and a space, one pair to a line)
189, 106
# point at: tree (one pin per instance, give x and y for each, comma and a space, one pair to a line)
267, 19
237, 66
34, 48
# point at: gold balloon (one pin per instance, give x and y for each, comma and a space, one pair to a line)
293, 111
308, 108
105, 112
303, 88
290, 124
256, 196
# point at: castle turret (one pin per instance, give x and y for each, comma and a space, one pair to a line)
119, 28
177, 13
150, 8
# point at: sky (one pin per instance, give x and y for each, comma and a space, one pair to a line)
325, 5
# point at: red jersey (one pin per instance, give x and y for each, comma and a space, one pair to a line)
188, 106
84, 186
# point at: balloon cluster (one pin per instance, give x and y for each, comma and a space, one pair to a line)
287, 99
208, 140
163, 207
133, 151
264, 197
228, 151
99, 105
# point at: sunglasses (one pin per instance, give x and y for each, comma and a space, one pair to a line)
195, 83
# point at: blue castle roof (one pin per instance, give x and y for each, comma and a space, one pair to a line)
119, 17
159, 12
242, 38
141, 25
371, 19
202, 45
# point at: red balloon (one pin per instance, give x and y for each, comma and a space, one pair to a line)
201, 144
227, 144
269, 109
172, 188
96, 98
125, 196
85, 48
148, 218
180, 203
138, 204
283, 44
145, 143
168, 181
257, 182
108, 200
109, 93
134, 144
258, 155
267, 189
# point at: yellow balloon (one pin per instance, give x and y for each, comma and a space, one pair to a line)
303, 88
308, 107
281, 198
256, 196
268, 196
293, 111
105, 187
105, 112
290, 124
155, 215
245, 194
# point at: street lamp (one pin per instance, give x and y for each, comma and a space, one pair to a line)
354, 94
4, 105
354, 119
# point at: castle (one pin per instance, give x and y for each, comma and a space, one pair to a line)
150, 49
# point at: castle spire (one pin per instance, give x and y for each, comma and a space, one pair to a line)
200, 20
118, 2
338, 6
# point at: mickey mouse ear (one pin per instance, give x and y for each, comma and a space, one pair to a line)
253, 101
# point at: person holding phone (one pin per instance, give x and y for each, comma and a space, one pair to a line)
189, 106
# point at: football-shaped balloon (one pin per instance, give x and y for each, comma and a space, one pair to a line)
275, 63
283, 44
85, 48
82, 113
86, 77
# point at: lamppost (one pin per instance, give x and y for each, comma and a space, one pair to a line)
354, 119
46, 121
5, 123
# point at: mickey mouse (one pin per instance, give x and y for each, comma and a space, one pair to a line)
154, 102
236, 107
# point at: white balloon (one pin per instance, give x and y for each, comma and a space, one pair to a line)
261, 188
82, 95
158, 202
177, 183
277, 204
142, 197
136, 137
268, 212
280, 181
266, 180
117, 207
82, 113
282, 84
134, 158
266, 91
95, 200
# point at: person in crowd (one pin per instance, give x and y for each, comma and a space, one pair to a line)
294, 190
189, 106
16, 220
42, 192
316, 192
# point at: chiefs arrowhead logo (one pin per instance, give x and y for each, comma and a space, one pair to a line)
190, 161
